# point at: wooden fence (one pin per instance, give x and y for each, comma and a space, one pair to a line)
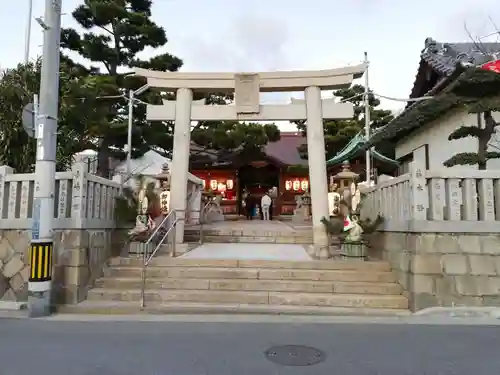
448, 200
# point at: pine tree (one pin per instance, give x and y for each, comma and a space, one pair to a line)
339, 132
483, 131
116, 31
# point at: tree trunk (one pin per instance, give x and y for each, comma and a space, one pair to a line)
484, 138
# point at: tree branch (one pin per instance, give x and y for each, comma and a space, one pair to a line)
492, 155
464, 132
106, 29
462, 158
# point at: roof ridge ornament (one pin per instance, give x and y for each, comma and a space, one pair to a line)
430, 45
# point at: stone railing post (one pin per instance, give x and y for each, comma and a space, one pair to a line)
119, 178
79, 194
419, 196
4, 171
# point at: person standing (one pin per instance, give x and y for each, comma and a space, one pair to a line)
248, 206
265, 204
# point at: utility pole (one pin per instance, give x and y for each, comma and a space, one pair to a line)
42, 246
28, 32
367, 119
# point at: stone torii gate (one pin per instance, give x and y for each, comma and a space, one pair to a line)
247, 88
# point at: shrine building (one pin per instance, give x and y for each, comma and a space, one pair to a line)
279, 165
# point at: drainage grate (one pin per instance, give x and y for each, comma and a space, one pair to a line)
295, 355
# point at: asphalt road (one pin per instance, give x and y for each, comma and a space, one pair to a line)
43, 347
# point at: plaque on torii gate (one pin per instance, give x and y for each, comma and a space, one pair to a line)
247, 93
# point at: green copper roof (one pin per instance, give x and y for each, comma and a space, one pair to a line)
353, 148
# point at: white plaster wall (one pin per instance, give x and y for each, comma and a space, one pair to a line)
435, 135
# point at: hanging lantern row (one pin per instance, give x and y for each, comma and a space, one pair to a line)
220, 186
297, 185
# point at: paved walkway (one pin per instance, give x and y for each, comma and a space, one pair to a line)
246, 251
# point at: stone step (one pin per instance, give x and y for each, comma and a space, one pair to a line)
286, 232
253, 298
167, 261
202, 309
253, 273
219, 238
253, 285
228, 235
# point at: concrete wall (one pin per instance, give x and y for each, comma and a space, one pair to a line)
435, 135
80, 258
443, 269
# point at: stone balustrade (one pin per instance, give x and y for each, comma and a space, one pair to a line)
85, 231
82, 200
441, 235
85, 234
447, 200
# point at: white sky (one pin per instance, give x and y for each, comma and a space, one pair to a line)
260, 35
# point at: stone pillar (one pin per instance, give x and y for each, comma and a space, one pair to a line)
180, 159
317, 168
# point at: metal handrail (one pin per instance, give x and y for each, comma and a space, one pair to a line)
148, 257
157, 229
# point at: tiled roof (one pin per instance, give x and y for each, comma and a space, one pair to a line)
449, 61
444, 58
354, 148
286, 149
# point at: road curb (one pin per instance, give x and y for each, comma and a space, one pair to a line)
460, 311
13, 306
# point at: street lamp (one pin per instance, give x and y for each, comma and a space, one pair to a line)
131, 98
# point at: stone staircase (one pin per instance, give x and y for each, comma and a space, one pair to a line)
228, 235
177, 285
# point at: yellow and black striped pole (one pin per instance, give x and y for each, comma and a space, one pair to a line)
40, 281
41, 255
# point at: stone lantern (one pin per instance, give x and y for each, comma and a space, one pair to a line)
345, 181
306, 201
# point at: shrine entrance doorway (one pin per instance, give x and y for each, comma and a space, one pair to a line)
256, 179
247, 107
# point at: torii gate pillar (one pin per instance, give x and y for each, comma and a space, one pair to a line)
317, 169
180, 163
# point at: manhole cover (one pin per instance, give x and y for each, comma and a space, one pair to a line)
295, 355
